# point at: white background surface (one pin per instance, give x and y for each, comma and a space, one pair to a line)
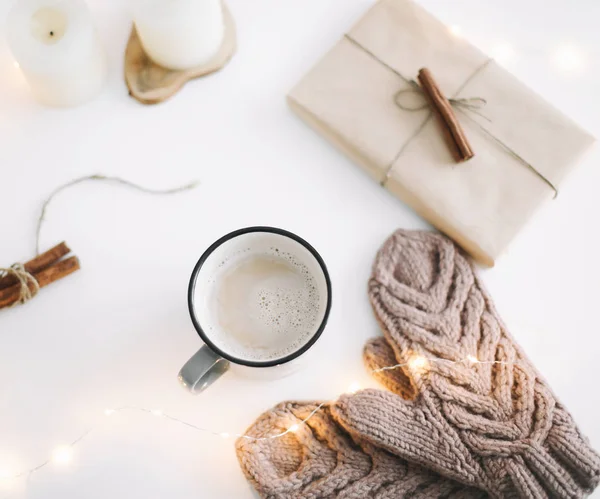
117, 332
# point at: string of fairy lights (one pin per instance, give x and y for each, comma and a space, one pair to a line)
62, 455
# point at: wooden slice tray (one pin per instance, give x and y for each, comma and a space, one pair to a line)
150, 83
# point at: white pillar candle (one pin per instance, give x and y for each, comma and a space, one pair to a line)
180, 34
56, 46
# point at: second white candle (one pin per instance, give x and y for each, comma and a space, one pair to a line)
180, 34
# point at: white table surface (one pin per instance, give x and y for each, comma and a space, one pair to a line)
117, 332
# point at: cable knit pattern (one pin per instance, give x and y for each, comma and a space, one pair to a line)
320, 460
498, 427
378, 354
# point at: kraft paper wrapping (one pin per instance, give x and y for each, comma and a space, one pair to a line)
523, 146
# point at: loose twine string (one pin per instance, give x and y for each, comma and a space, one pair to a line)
101, 178
28, 285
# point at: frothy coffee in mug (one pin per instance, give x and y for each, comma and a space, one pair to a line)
259, 298
265, 304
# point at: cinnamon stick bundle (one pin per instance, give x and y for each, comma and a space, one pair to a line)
453, 131
40, 262
45, 268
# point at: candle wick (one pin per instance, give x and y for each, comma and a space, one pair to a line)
51, 33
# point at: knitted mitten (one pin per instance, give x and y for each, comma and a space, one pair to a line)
482, 414
320, 460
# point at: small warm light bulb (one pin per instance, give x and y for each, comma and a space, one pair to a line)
157, 412
417, 363
62, 455
455, 30
569, 58
294, 428
5, 474
354, 387
109, 412
472, 359
17, 65
225, 435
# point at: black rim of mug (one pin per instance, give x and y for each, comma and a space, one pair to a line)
192, 286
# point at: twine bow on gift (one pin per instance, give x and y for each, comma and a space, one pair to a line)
443, 108
471, 104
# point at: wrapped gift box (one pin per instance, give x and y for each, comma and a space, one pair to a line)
523, 146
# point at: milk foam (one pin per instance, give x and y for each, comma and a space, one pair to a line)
265, 305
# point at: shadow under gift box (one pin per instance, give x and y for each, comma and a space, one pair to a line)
523, 146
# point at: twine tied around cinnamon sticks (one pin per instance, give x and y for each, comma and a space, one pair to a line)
443, 108
21, 282
28, 284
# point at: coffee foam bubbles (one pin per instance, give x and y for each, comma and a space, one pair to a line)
264, 305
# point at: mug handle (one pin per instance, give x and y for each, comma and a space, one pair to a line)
202, 370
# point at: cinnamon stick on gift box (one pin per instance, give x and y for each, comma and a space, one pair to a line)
45, 268
453, 132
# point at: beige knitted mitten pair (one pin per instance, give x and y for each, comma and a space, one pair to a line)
321, 460
465, 403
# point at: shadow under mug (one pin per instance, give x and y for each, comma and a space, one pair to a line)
215, 358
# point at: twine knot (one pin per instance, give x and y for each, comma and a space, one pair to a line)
471, 104
28, 285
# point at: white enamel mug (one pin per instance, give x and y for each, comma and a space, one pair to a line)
215, 357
